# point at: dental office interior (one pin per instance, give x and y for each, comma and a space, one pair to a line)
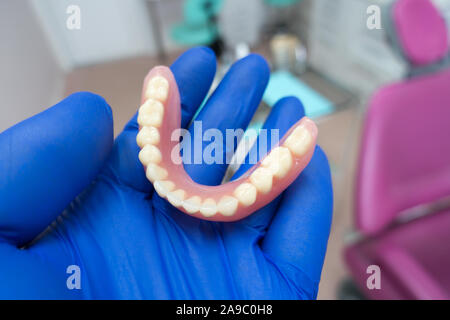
373, 75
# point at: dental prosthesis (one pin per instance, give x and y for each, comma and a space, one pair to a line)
160, 115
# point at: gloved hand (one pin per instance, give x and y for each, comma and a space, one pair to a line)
61, 168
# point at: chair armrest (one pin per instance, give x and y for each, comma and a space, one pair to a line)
411, 274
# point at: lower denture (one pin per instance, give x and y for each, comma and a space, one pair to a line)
160, 115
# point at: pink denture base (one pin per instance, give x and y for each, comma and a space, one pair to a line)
171, 159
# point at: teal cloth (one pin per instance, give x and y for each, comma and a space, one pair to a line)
283, 84
281, 3
185, 34
197, 27
199, 12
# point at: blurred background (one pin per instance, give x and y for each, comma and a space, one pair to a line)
333, 54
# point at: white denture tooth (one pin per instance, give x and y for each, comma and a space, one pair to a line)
163, 187
227, 205
279, 162
153, 119
151, 113
208, 207
246, 194
155, 172
148, 135
157, 88
150, 154
299, 141
150, 106
261, 178
192, 205
176, 197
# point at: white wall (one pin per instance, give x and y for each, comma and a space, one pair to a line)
30, 77
238, 15
110, 29
345, 50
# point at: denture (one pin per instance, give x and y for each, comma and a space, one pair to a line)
160, 115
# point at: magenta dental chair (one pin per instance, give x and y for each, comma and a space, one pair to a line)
404, 169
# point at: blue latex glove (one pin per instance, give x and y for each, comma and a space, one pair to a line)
127, 241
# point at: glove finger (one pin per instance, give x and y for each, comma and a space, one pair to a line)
27, 276
47, 160
231, 107
241, 238
194, 72
298, 234
283, 116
